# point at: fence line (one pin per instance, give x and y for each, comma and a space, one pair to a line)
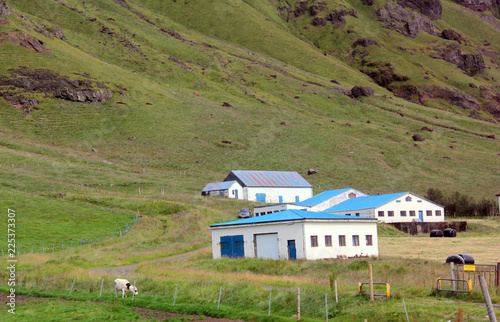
312, 306
82, 241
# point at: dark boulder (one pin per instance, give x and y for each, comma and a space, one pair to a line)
418, 138
451, 34
358, 91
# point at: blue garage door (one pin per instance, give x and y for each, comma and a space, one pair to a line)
232, 246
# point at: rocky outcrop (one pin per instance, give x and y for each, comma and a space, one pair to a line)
24, 81
396, 18
25, 41
421, 94
83, 96
476, 5
451, 34
472, 64
429, 8
358, 91
4, 9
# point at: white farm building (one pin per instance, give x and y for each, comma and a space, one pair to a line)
391, 208
295, 234
320, 202
262, 186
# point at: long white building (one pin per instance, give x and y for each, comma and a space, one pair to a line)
391, 208
296, 234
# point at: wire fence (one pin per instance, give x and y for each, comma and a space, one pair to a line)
67, 244
268, 300
298, 303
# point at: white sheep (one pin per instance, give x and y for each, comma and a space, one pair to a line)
124, 286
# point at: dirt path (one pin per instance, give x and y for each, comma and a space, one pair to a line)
124, 270
145, 313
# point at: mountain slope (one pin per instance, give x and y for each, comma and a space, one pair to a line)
210, 87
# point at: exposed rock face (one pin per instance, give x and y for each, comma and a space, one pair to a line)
476, 5
83, 96
406, 23
337, 18
365, 42
358, 91
421, 94
451, 34
4, 9
383, 73
429, 8
472, 64
25, 41
23, 81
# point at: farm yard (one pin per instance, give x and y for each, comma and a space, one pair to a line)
166, 254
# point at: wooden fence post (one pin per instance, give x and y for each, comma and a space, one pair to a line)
298, 304
102, 282
452, 273
487, 299
370, 268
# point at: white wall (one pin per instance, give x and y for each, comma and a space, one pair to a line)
236, 187
301, 232
272, 194
400, 204
348, 229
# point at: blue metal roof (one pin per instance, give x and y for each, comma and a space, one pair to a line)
319, 198
288, 215
269, 179
218, 186
367, 202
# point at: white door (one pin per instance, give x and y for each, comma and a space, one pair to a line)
267, 246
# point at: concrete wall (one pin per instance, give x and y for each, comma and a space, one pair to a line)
336, 200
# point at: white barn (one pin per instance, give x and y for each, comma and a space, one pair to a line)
320, 202
228, 189
266, 186
295, 234
391, 208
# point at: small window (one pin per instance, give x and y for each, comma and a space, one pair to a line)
408, 198
352, 195
357, 214
403, 213
328, 240
390, 213
341, 240
369, 240
412, 213
347, 214
297, 199
314, 241
381, 214
419, 200
355, 240
438, 212
398, 200
269, 212
428, 212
